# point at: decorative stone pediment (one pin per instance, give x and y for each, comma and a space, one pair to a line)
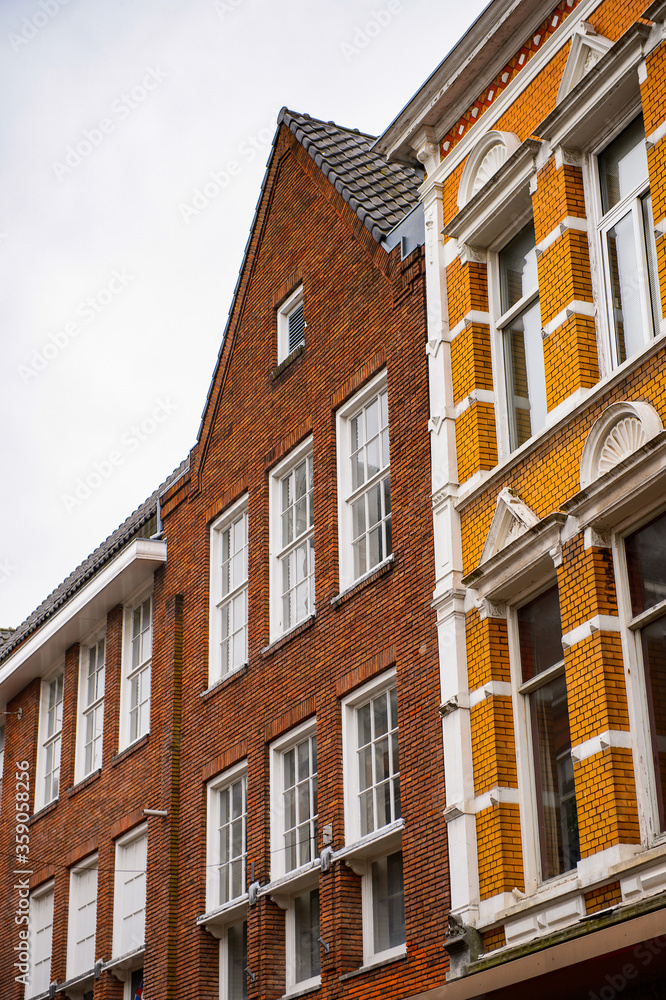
512, 519
490, 153
587, 48
620, 431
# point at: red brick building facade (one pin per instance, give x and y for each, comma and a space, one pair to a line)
224, 726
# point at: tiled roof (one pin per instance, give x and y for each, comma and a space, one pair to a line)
380, 193
132, 527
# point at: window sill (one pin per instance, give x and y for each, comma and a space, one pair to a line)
128, 751
43, 811
374, 965
77, 985
282, 888
375, 845
287, 362
382, 570
122, 966
303, 991
228, 913
286, 637
84, 782
223, 682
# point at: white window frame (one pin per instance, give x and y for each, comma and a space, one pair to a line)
42, 899
222, 783
123, 845
346, 494
362, 851
90, 709
284, 312
632, 654
141, 673
289, 741
499, 323
525, 757
294, 985
80, 871
47, 739
224, 956
219, 601
378, 686
600, 224
279, 552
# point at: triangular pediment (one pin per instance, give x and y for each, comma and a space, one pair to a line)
587, 48
512, 519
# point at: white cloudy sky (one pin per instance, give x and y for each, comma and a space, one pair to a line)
115, 296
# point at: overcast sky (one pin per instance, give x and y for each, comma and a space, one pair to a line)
134, 136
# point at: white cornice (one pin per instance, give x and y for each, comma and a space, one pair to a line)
131, 568
489, 118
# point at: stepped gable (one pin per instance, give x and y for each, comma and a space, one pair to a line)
380, 193
132, 527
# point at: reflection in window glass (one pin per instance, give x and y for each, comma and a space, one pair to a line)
540, 637
388, 903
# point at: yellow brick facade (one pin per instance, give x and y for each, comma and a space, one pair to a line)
545, 476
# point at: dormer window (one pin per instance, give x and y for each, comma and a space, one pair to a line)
291, 324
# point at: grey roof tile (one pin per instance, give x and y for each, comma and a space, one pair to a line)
380, 193
131, 528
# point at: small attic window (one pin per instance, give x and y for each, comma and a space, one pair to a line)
291, 324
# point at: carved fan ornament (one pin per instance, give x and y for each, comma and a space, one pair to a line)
624, 439
489, 165
621, 430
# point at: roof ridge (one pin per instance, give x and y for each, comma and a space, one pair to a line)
378, 192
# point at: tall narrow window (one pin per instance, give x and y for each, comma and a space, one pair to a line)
306, 958
372, 813
294, 796
82, 918
646, 567
228, 593
227, 839
520, 324
544, 686
233, 962
50, 725
129, 901
378, 762
91, 708
292, 541
388, 903
364, 485
628, 245
41, 937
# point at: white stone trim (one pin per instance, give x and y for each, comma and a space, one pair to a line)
568, 222
473, 316
492, 689
545, 920
475, 396
574, 308
603, 427
610, 738
509, 95
598, 623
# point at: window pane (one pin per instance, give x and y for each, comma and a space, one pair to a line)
540, 634
388, 903
525, 373
624, 263
654, 660
556, 798
518, 268
306, 935
237, 961
623, 165
646, 565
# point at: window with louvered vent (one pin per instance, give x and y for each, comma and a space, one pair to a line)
291, 324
